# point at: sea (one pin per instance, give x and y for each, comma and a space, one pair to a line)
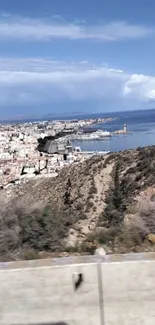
141, 127
140, 124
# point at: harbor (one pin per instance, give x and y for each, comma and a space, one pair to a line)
97, 135
91, 135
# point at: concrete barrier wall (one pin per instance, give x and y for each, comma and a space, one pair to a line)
129, 293
113, 290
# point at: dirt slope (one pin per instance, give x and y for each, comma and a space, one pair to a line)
98, 194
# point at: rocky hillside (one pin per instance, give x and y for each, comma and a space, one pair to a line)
105, 200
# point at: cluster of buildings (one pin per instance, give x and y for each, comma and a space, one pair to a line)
20, 158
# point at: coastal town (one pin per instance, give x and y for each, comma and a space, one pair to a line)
22, 157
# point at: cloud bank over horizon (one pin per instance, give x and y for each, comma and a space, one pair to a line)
37, 81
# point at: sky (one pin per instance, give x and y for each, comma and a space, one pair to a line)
76, 56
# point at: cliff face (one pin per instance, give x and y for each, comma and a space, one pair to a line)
100, 198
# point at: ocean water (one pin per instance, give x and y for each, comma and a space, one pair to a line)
141, 124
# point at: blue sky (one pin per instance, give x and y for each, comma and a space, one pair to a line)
64, 56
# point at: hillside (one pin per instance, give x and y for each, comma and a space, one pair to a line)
105, 200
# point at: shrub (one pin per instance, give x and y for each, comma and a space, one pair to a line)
109, 159
130, 237
138, 177
82, 216
93, 190
26, 229
92, 183
30, 254
90, 196
80, 206
153, 197
73, 248
146, 216
107, 236
90, 204
124, 238
86, 172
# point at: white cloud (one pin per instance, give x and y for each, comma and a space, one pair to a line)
22, 28
151, 94
140, 86
39, 81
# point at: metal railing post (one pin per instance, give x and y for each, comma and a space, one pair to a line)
100, 291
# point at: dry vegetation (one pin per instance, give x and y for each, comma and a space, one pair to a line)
28, 229
108, 200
